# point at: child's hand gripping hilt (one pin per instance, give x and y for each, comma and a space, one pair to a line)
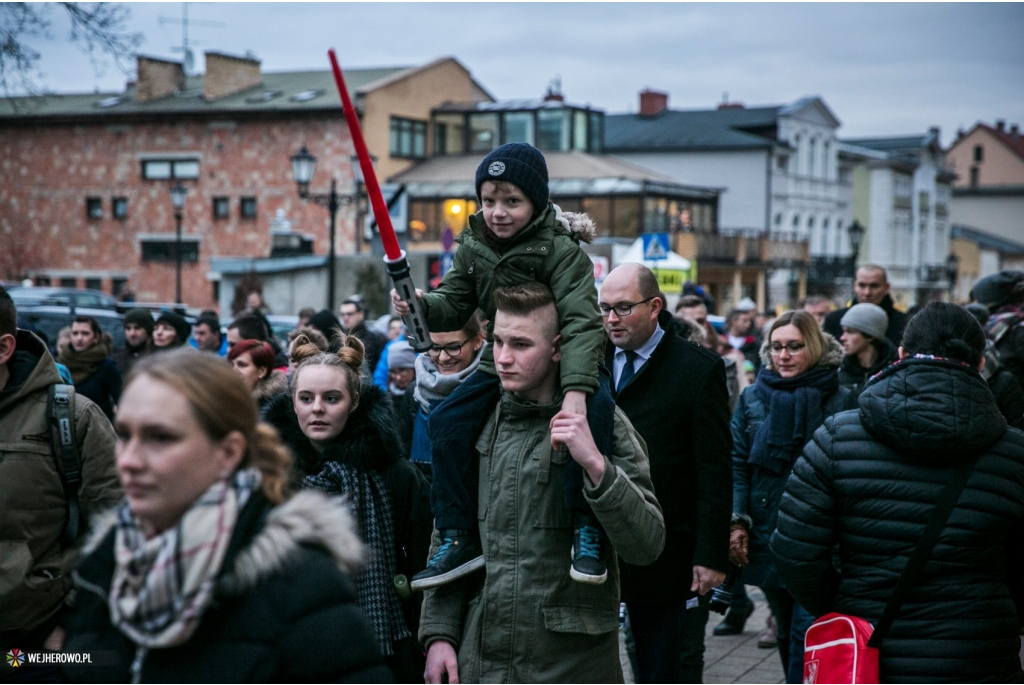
416, 321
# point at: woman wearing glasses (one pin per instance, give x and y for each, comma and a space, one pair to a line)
452, 358
795, 391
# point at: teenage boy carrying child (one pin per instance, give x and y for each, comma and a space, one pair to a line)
517, 237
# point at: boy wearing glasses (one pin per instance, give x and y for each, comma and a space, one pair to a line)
519, 236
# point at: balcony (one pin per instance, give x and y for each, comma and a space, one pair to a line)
741, 249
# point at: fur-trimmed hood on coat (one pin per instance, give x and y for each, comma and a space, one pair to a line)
832, 356
369, 441
579, 225
269, 386
308, 518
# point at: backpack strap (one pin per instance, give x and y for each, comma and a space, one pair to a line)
65, 453
936, 523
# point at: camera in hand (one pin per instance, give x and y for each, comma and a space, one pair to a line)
721, 596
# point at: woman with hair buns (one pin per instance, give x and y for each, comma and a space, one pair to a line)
208, 571
342, 433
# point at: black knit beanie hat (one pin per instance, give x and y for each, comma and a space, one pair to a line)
520, 164
140, 317
182, 327
999, 289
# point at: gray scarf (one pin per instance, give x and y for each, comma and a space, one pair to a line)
432, 386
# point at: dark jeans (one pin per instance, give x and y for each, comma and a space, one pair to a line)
454, 428
668, 641
791, 623
740, 601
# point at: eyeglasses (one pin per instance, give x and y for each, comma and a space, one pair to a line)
452, 349
621, 310
792, 348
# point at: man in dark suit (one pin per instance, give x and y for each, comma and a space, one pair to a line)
871, 285
675, 394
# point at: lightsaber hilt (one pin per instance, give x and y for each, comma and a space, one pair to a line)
416, 320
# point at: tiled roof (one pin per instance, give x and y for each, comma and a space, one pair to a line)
1014, 143
291, 90
985, 240
690, 129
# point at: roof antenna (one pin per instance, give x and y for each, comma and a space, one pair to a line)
189, 60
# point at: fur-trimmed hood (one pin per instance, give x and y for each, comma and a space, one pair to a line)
274, 383
309, 518
369, 440
832, 356
580, 225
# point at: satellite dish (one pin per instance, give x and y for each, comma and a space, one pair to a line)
190, 61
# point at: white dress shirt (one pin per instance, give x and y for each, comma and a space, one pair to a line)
642, 354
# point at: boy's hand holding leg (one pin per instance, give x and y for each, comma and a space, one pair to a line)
573, 431
401, 308
442, 663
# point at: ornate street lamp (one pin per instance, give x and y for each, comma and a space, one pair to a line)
952, 270
178, 193
303, 166
856, 234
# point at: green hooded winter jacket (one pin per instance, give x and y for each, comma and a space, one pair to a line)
35, 565
546, 251
524, 620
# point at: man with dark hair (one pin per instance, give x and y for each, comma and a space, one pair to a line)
353, 319
138, 335
738, 325
871, 285
40, 523
526, 620
674, 393
206, 335
247, 327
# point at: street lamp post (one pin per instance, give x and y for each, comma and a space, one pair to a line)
856, 233
303, 165
178, 193
952, 270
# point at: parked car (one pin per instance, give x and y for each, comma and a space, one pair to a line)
49, 319
62, 297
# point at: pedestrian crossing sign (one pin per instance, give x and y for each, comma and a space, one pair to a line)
655, 246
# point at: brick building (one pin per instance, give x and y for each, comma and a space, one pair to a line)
85, 178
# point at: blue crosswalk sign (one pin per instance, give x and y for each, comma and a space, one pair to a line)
655, 246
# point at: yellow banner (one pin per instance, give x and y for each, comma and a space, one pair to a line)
671, 280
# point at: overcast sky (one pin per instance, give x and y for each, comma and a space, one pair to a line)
884, 69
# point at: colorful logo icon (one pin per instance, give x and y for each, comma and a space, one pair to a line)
15, 658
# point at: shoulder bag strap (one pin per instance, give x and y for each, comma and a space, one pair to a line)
936, 523
62, 428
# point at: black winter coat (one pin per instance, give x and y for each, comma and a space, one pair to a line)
1009, 397
283, 611
103, 387
854, 376
757, 492
894, 333
860, 497
678, 403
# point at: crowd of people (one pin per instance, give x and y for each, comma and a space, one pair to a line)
563, 462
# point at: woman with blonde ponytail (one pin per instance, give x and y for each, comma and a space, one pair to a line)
178, 581
342, 433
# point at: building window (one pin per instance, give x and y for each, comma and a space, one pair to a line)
161, 169
812, 150
116, 284
553, 129
408, 138
93, 284
248, 208
826, 162
596, 132
979, 153
483, 132
579, 130
778, 219
165, 250
795, 168
519, 127
796, 222
71, 282
221, 207
93, 208
974, 177
42, 280
449, 134
120, 205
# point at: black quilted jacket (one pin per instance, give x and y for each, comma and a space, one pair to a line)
859, 499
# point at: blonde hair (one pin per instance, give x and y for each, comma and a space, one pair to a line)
349, 358
222, 403
814, 339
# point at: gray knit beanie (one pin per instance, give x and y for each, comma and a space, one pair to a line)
520, 164
401, 356
869, 319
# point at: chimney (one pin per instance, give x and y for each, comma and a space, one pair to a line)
652, 102
1015, 130
227, 75
158, 78
1000, 125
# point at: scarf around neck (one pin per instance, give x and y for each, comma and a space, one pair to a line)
795, 411
164, 583
82, 364
432, 387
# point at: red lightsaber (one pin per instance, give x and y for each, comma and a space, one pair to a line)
397, 264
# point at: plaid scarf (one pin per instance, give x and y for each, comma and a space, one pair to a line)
163, 583
375, 584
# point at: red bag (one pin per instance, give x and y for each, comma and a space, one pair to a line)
836, 651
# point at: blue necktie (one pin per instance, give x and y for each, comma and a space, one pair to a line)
627, 372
